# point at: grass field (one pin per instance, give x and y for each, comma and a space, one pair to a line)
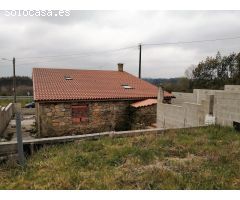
202, 158
23, 101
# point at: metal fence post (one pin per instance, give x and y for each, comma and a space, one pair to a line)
21, 157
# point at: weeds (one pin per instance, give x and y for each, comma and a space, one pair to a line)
200, 158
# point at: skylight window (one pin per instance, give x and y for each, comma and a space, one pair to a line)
68, 78
126, 86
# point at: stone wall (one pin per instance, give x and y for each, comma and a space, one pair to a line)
143, 116
55, 119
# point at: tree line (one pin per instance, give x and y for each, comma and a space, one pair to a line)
215, 72
23, 86
211, 73
178, 84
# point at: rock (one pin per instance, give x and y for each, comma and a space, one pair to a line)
49, 114
3, 140
62, 123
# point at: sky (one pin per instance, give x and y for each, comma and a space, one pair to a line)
101, 39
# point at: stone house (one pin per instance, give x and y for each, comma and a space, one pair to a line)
70, 101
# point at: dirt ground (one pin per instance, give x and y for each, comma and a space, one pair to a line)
27, 124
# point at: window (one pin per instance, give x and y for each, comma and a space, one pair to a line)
126, 86
68, 78
80, 114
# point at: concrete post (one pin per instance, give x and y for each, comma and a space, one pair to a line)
159, 111
160, 94
17, 107
21, 157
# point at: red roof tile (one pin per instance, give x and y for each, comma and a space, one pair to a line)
50, 85
146, 102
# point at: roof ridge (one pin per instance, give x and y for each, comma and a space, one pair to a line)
74, 69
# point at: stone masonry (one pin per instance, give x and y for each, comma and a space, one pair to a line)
55, 119
143, 116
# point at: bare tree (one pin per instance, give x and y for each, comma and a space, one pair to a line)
189, 72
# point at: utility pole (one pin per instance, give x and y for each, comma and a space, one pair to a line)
14, 81
140, 61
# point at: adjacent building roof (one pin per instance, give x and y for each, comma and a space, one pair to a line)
146, 102
70, 84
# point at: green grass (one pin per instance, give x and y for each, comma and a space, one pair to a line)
5, 102
201, 158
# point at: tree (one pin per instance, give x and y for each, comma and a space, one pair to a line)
215, 72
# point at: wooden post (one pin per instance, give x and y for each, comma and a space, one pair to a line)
140, 61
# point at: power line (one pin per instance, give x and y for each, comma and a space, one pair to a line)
3, 61
82, 54
190, 42
54, 59
79, 54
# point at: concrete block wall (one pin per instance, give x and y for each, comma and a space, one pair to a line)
190, 109
183, 97
175, 116
170, 116
232, 88
194, 114
197, 96
227, 108
5, 116
201, 94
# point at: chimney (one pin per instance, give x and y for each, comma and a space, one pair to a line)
120, 67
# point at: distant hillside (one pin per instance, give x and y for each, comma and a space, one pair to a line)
158, 81
178, 84
23, 83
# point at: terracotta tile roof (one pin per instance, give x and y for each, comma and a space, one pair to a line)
51, 85
146, 102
